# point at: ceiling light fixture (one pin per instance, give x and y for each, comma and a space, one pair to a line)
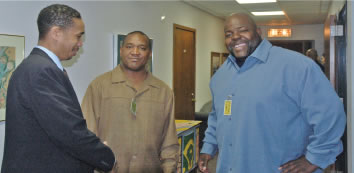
254, 1
268, 13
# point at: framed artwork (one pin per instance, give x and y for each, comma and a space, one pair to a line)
12, 52
215, 62
217, 59
118, 43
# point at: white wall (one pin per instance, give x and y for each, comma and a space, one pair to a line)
104, 18
301, 32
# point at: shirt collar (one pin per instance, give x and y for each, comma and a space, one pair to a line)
119, 77
261, 52
51, 56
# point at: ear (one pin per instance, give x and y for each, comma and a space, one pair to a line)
55, 33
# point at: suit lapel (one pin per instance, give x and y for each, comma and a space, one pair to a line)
67, 83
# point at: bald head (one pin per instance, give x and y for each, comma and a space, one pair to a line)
242, 36
245, 18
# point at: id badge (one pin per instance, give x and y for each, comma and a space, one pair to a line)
227, 107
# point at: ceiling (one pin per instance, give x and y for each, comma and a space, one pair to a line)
297, 12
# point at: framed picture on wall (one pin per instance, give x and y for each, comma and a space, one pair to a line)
12, 52
118, 43
215, 62
217, 59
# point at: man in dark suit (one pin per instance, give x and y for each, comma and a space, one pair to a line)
45, 129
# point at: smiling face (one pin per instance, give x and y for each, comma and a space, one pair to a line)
135, 52
241, 35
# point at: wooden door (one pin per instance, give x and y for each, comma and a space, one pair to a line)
184, 71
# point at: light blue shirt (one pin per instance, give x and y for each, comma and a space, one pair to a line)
52, 56
282, 107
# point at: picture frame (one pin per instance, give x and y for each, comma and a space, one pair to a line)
217, 59
12, 53
118, 43
215, 62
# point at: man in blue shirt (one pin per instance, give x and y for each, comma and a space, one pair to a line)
273, 109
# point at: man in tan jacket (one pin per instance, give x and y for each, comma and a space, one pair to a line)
133, 112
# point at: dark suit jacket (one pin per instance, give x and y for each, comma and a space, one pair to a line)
45, 131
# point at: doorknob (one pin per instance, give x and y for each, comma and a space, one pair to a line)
193, 98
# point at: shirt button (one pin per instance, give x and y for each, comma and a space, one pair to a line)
230, 169
134, 156
230, 146
230, 118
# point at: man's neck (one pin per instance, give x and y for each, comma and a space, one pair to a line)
137, 78
240, 61
48, 45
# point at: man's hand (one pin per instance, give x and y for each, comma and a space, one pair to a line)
300, 165
115, 164
203, 162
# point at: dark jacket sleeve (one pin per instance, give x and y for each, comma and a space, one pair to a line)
58, 112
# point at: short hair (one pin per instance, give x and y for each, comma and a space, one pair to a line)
312, 53
55, 15
141, 33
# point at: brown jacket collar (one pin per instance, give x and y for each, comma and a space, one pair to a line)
119, 77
